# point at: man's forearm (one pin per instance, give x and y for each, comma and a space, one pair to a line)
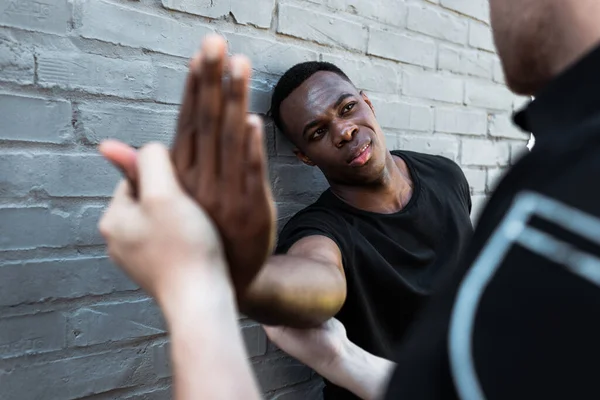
207, 351
294, 291
360, 372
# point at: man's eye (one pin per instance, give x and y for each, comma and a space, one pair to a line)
348, 108
318, 133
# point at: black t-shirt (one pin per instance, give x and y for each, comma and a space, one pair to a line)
391, 260
518, 318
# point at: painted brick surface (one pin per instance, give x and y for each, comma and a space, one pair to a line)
76, 72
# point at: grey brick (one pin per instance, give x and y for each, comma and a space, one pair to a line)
257, 13
433, 86
31, 119
312, 390
130, 27
460, 121
484, 153
170, 82
400, 47
466, 62
87, 226
366, 74
389, 12
501, 125
31, 227
16, 63
488, 95
476, 178
403, 116
480, 36
255, 339
133, 125
96, 74
321, 28
494, 176
269, 56
478, 9
59, 175
437, 145
280, 372
51, 16
297, 181
32, 334
285, 211
161, 356
82, 376
498, 72
115, 322
438, 24
28, 282
158, 394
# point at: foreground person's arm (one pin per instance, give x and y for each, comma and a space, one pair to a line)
169, 246
328, 351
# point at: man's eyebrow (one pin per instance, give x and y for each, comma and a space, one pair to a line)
316, 122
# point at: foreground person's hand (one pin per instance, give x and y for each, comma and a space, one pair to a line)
219, 156
162, 237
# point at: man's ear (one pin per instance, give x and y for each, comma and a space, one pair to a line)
367, 100
303, 157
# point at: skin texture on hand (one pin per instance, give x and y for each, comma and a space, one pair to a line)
215, 140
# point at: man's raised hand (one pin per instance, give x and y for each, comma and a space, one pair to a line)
219, 157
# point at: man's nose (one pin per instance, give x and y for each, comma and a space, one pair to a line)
344, 133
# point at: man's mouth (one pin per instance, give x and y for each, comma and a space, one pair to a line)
361, 156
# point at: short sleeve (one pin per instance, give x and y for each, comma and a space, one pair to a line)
314, 221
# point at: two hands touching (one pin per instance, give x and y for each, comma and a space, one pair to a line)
195, 224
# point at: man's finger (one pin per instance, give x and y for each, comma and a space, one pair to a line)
157, 174
123, 157
122, 199
256, 159
184, 143
233, 136
208, 111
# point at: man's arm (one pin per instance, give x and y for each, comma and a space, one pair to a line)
328, 351
301, 289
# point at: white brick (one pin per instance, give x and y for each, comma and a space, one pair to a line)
391, 12
443, 146
432, 86
494, 176
478, 9
460, 121
403, 116
498, 72
488, 95
402, 48
438, 24
367, 75
466, 62
114, 23
16, 63
480, 36
31, 119
391, 141
96, 74
501, 125
269, 56
519, 102
476, 179
484, 153
517, 151
321, 28
256, 12
133, 125
50, 16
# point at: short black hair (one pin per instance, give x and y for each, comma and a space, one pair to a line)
292, 79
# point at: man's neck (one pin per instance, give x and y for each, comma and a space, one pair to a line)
389, 195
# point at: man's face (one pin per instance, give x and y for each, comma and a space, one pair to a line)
333, 126
525, 38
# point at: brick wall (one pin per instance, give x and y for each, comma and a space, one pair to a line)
73, 72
